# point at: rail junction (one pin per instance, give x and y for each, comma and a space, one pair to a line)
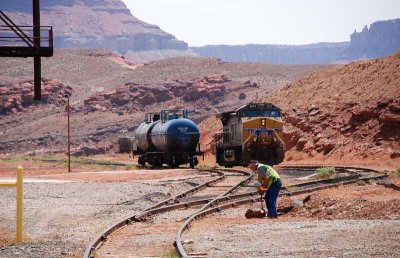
228, 189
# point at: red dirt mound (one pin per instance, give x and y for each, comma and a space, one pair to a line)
351, 110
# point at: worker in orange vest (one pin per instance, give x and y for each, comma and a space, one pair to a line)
271, 183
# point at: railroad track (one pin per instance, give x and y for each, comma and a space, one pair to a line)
229, 189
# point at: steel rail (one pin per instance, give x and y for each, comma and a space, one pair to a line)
212, 205
320, 184
157, 208
231, 190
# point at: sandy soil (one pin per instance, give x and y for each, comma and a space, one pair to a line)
64, 211
62, 216
346, 221
354, 238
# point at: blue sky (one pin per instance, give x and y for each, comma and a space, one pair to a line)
294, 22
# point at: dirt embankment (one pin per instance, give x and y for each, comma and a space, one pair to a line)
347, 112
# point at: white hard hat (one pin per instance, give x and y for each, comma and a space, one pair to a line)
253, 162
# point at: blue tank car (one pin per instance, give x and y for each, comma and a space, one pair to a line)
168, 137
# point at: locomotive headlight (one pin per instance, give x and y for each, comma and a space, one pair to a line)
263, 121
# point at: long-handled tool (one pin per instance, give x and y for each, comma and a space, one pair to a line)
262, 211
256, 214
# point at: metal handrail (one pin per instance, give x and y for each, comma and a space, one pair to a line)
8, 32
16, 29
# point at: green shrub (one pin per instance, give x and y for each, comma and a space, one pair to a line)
292, 188
394, 174
129, 166
171, 253
325, 172
207, 166
362, 183
17, 158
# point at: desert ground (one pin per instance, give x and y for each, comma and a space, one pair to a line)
344, 115
110, 68
64, 211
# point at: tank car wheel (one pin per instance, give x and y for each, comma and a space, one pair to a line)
192, 162
174, 162
157, 162
160, 162
141, 161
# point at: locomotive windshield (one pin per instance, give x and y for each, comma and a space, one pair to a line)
252, 113
261, 113
271, 113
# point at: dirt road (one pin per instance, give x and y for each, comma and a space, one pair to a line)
61, 217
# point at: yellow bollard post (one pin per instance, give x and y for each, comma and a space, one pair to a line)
20, 196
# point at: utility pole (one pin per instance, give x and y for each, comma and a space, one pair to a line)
69, 135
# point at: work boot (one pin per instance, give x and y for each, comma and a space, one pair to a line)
275, 216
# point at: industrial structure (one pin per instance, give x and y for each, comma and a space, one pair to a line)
27, 41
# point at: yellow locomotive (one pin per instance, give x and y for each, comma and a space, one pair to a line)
254, 131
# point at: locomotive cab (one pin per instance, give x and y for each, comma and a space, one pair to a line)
254, 131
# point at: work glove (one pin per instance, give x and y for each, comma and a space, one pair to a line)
260, 190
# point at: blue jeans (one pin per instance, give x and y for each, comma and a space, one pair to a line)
270, 197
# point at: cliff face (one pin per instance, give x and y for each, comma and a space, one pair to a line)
322, 53
382, 39
94, 23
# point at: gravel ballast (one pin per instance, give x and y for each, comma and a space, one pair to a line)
60, 219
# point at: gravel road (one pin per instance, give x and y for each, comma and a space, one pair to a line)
62, 216
60, 219
227, 237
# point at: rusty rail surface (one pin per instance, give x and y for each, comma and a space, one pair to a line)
167, 205
228, 200
356, 175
